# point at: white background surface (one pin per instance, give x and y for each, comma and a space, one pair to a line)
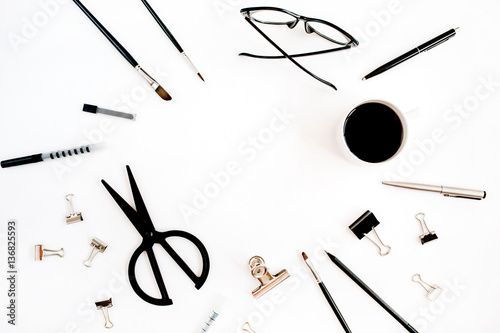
296, 193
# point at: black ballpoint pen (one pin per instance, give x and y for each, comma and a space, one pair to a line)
410, 54
372, 294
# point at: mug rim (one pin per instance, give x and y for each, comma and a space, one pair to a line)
401, 118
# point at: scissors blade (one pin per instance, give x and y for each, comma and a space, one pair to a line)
140, 206
130, 212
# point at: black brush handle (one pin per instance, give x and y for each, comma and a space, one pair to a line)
163, 26
22, 160
109, 36
334, 307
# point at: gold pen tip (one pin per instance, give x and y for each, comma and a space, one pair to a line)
201, 77
363, 79
304, 256
163, 93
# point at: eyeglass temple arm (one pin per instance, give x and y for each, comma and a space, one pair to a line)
297, 55
287, 56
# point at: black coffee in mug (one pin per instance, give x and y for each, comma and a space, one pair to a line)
373, 132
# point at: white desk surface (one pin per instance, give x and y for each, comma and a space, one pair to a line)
292, 190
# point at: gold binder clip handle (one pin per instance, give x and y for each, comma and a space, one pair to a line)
246, 327
383, 248
433, 291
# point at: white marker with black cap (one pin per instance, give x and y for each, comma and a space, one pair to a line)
45, 156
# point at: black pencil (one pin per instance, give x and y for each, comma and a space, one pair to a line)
152, 82
327, 294
372, 294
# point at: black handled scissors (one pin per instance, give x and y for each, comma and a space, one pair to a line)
142, 222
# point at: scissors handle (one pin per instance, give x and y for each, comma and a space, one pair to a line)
147, 246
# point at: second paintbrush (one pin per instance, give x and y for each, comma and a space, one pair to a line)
170, 36
327, 294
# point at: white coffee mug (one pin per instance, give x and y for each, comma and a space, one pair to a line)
356, 144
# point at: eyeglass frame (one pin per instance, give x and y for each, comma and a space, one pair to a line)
247, 13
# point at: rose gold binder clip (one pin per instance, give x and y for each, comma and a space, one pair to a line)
40, 252
266, 279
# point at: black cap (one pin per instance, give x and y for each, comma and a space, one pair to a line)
89, 108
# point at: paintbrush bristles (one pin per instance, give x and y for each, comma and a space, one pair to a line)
163, 93
311, 267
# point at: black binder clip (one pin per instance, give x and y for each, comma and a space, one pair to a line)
365, 224
427, 235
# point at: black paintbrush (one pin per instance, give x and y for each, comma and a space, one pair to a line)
327, 295
156, 86
170, 36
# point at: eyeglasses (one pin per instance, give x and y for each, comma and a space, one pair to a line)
279, 16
